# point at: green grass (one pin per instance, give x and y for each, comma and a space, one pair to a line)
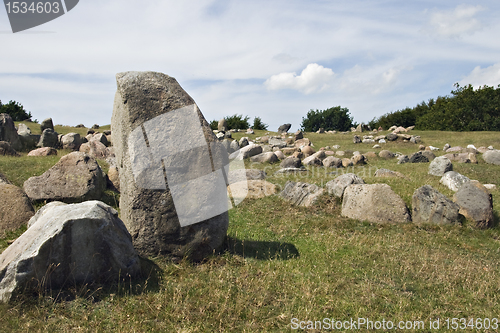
281, 262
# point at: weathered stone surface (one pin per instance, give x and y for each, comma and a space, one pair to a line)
307, 150
268, 157
291, 162
291, 170
492, 157
222, 125
430, 206
386, 154
46, 123
279, 154
462, 157
332, 162
28, 140
255, 174
252, 189
456, 149
248, 151
302, 143
15, 208
418, 157
101, 138
415, 139
299, 135
8, 131
475, 203
142, 99
338, 185
75, 178
46, 151
386, 173
312, 160
114, 177
453, 180
71, 141
356, 139
347, 162
403, 159
358, 160
277, 142
49, 138
429, 154
284, 128
391, 137
301, 194
96, 150
3, 179
7, 150
243, 142
374, 203
439, 166
67, 245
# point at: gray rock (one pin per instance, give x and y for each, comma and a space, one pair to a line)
277, 142
386, 173
284, 128
301, 194
291, 162
386, 154
243, 142
299, 135
46, 123
8, 132
234, 146
430, 206
374, 203
429, 154
279, 154
453, 180
71, 141
100, 137
446, 147
332, 162
247, 152
159, 223
222, 126
312, 160
7, 150
492, 157
403, 159
456, 149
415, 139
96, 150
28, 140
228, 135
439, 166
391, 137
475, 203
338, 185
290, 170
68, 245
268, 157
45, 151
418, 157
15, 207
49, 138
356, 139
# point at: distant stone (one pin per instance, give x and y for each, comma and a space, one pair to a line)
268, 157
374, 203
46, 151
391, 137
49, 138
299, 135
15, 208
475, 204
80, 126
446, 147
492, 157
347, 162
46, 123
8, 132
7, 150
95, 126
96, 150
312, 161
291, 162
482, 150
386, 154
453, 180
252, 189
78, 244
403, 159
277, 142
248, 151
307, 150
302, 142
356, 139
243, 142
284, 128
415, 139
430, 206
418, 157
386, 173
439, 166
320, 131
75, 178
337, 186
456, 149
490, 187
429, 154
358, 160
332, 162
301, 194
71, 141
222, 126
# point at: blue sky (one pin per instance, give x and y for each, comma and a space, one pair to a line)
271, 59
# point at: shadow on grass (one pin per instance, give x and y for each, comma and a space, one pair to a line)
262, 250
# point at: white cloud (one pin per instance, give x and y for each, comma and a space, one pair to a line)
314, 78
479, 77
455, 23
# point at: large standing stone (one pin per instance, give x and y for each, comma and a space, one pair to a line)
154, 104
284, 128
430, 206
374, 203
46, 123
49, 138
301, 194
8, 131
439, 166
75, 178
68, 245
492, 157
222, 125
453, 180
475, 203
15, 208
337, 186
28, 140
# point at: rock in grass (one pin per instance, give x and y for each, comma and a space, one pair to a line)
291, 162
68, 245
475, 203
430, 206
492, 157
374, 203
8, 132
337, 186
15, 208
268, 157
301, 194
440, 166
453, 180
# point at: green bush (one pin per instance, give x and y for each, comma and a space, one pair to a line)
335, 118
15, 110
258, 124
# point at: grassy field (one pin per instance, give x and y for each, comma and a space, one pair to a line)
281, 262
